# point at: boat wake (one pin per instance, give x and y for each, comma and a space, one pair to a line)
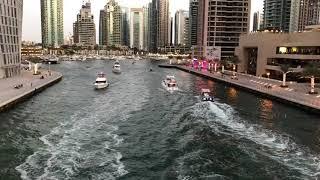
281, 148
85, 145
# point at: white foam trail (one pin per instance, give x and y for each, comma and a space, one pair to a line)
65, 152
280, 147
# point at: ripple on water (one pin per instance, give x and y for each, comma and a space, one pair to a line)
85, 145
224, 121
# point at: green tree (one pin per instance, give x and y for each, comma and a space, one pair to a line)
312, 71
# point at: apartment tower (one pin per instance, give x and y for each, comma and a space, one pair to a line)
10, 38
52, 23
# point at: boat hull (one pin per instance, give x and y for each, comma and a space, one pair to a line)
170, 89
116, 71
101, 85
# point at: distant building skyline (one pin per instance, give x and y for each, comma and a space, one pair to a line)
32, 20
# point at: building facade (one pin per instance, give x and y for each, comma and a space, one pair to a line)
136, 28
52, 23
146, 28
193, 22
277, 14
102, 28
125, 26
256, 21
110, 30
181, 28
163, 23
153, 25
10, 38
84, 30
264, 52
220, 24
308, 13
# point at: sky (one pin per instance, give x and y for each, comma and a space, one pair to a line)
32, 22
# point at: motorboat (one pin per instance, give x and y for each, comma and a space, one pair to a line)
170, 83
51, 60
101, 81
116, 67
206, 95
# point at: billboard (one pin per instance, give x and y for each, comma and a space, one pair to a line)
213, 53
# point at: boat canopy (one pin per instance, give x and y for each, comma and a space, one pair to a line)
205, 91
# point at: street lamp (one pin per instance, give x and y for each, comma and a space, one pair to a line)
49, 69
268, 74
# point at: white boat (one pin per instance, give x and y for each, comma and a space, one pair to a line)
116, 67
101, 81
170, 83
205, 95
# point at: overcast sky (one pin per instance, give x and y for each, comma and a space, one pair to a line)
32, 22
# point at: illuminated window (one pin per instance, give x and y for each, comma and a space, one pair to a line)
283, 50
294, 49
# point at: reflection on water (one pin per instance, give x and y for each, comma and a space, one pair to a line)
232, 95
266, 107
201, 83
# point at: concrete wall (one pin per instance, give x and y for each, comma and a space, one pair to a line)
267, 44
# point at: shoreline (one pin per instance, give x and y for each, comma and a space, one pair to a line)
258, 91
26, 94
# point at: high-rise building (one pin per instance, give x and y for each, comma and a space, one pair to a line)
146, 28
158, 24
136, 28
171, 31
84, 30
181, 27
102, 28
220, 23
290, 15
111, 25
163, 23
10, 38
125, 26
277, 14
52, 23
193, 22
153, 25
256, 21
309, 13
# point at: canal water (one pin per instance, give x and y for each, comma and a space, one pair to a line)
137, 130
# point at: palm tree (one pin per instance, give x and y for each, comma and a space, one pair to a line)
234, 60
285, 69
223, 62
312, 71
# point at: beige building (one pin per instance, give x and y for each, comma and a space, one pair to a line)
10, 38
264, 52
220, 23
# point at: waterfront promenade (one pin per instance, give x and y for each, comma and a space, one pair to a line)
296, 93
28, 84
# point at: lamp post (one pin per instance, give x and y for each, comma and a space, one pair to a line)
268, 74
49, 69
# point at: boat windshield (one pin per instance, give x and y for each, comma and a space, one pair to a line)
171, 85
100, 82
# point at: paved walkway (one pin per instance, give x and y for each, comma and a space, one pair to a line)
29, 82
296, 92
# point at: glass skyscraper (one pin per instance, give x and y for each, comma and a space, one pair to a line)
52, 23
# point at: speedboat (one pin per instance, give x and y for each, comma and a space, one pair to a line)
116, 67
205, 95
170, 83
101, 81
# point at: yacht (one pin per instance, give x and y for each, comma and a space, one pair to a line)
116, 67
101, 81
205, 95
170, 83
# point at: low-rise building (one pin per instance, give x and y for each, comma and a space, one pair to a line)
264, 52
